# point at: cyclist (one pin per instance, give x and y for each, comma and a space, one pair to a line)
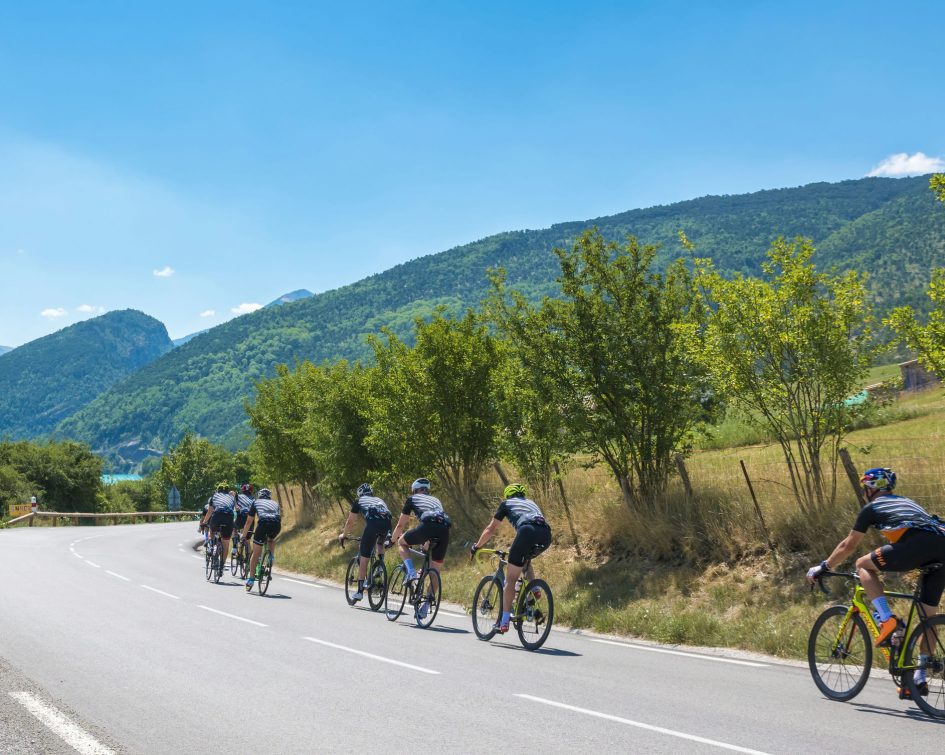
434, 525
377, 523
244, 500
269, 524
916, 538
532, 537
219, 517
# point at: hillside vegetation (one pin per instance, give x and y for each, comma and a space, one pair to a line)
889, 228
50, 378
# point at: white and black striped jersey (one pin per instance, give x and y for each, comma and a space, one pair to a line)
243, 503
222, 502
423, 506
265, 509
519, 511
892, 515
371, 507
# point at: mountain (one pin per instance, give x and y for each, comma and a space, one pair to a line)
184, 339
290, 297
50, 378
5, 349
892, 228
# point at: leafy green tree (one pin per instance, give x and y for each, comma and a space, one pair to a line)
195, 466
432, 406
937, 184
14, 488
928, 341
68, 473
787, 349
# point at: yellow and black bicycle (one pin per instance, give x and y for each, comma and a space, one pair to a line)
840, 648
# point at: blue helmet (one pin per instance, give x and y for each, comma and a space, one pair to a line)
878, 478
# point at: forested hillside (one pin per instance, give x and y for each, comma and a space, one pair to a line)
50, 378
891, 228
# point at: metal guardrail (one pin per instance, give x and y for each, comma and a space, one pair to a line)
75, 516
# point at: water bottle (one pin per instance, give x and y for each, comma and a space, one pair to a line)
896, 639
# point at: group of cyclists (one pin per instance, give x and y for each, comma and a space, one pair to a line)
236, 516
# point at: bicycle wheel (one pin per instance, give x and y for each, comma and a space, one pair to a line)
241, 560
208, 560
377, 585
429, 588
219, 563
486, 607
266, 577
839, 653
537, 613
934, 630
396, 595
351, 580
234, 561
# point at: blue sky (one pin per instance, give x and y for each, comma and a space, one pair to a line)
247, 149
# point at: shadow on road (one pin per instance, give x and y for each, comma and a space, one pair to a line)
912, 714
541, 651
436, 628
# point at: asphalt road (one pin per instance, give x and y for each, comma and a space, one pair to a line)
116, 630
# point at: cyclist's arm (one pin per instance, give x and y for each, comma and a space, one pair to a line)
207, 516
844, 548
487, 534
250, 517
349, 522
401, 525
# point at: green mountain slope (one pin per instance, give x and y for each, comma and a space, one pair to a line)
50, 378
874, 224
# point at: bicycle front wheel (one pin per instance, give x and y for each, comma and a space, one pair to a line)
235, 561
209, 561
429, 589
487, 607
396, 595
839, 653
351, 580
377, 585
933, 629
536, 614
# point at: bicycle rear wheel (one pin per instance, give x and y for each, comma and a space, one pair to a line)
429, 588
351, 580
266, 577
396, 595
377, 585
235, 561
208, 560
487, 607
934, 630
839, 653
536, 614
219, 562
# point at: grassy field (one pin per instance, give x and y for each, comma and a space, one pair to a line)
692, 571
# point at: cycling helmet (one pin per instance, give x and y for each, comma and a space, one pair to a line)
221, 487
878, 478
264, 493
514, 489
246, 488
421, 483
365, 489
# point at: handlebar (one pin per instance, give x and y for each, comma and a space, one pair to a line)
819, 581
491, 552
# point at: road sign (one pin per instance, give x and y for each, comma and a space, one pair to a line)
173, 499
20, 509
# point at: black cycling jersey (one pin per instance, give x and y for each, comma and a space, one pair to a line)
222, 502
893, 515
243, 503
520, 511
424, 507
265, 509
371, 507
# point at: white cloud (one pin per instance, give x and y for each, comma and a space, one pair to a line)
208, 313
51, 313
246, 308
89, 309
903, 164
165, 272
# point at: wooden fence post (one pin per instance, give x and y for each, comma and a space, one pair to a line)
764, 527
852, 475
501, 472
684, 475
567, 508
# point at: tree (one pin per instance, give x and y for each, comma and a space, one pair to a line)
432, 406
195, 466
68, 474
787, 350
937, 185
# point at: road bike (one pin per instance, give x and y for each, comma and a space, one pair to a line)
533, 607
239, 557
423, 592
214, 564
263, 570
376, 583
840, 648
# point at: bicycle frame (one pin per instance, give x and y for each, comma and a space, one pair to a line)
518, 607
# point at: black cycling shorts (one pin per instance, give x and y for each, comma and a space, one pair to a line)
374, 530
530, 541
439, 531
222, 522
916, 548
241, 520
266, 529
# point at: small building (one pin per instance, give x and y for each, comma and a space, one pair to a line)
915, 377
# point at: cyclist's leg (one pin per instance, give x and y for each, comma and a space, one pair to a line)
416, 536
254, 560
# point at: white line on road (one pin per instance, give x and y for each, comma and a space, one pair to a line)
230, 615
76, 554
117, 575
652, 649
91, 563
72, 735
371, 656
300, 582
639, 725
199, 558
160, 592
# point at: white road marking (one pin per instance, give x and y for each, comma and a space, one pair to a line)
639, 725
232, 616
74, 736
91, 563
300, 582
450, 613
200, 558
117, 575
371, 656
651, 649
160, 592
76, 554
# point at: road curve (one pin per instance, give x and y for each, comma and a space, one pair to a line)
117, 629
